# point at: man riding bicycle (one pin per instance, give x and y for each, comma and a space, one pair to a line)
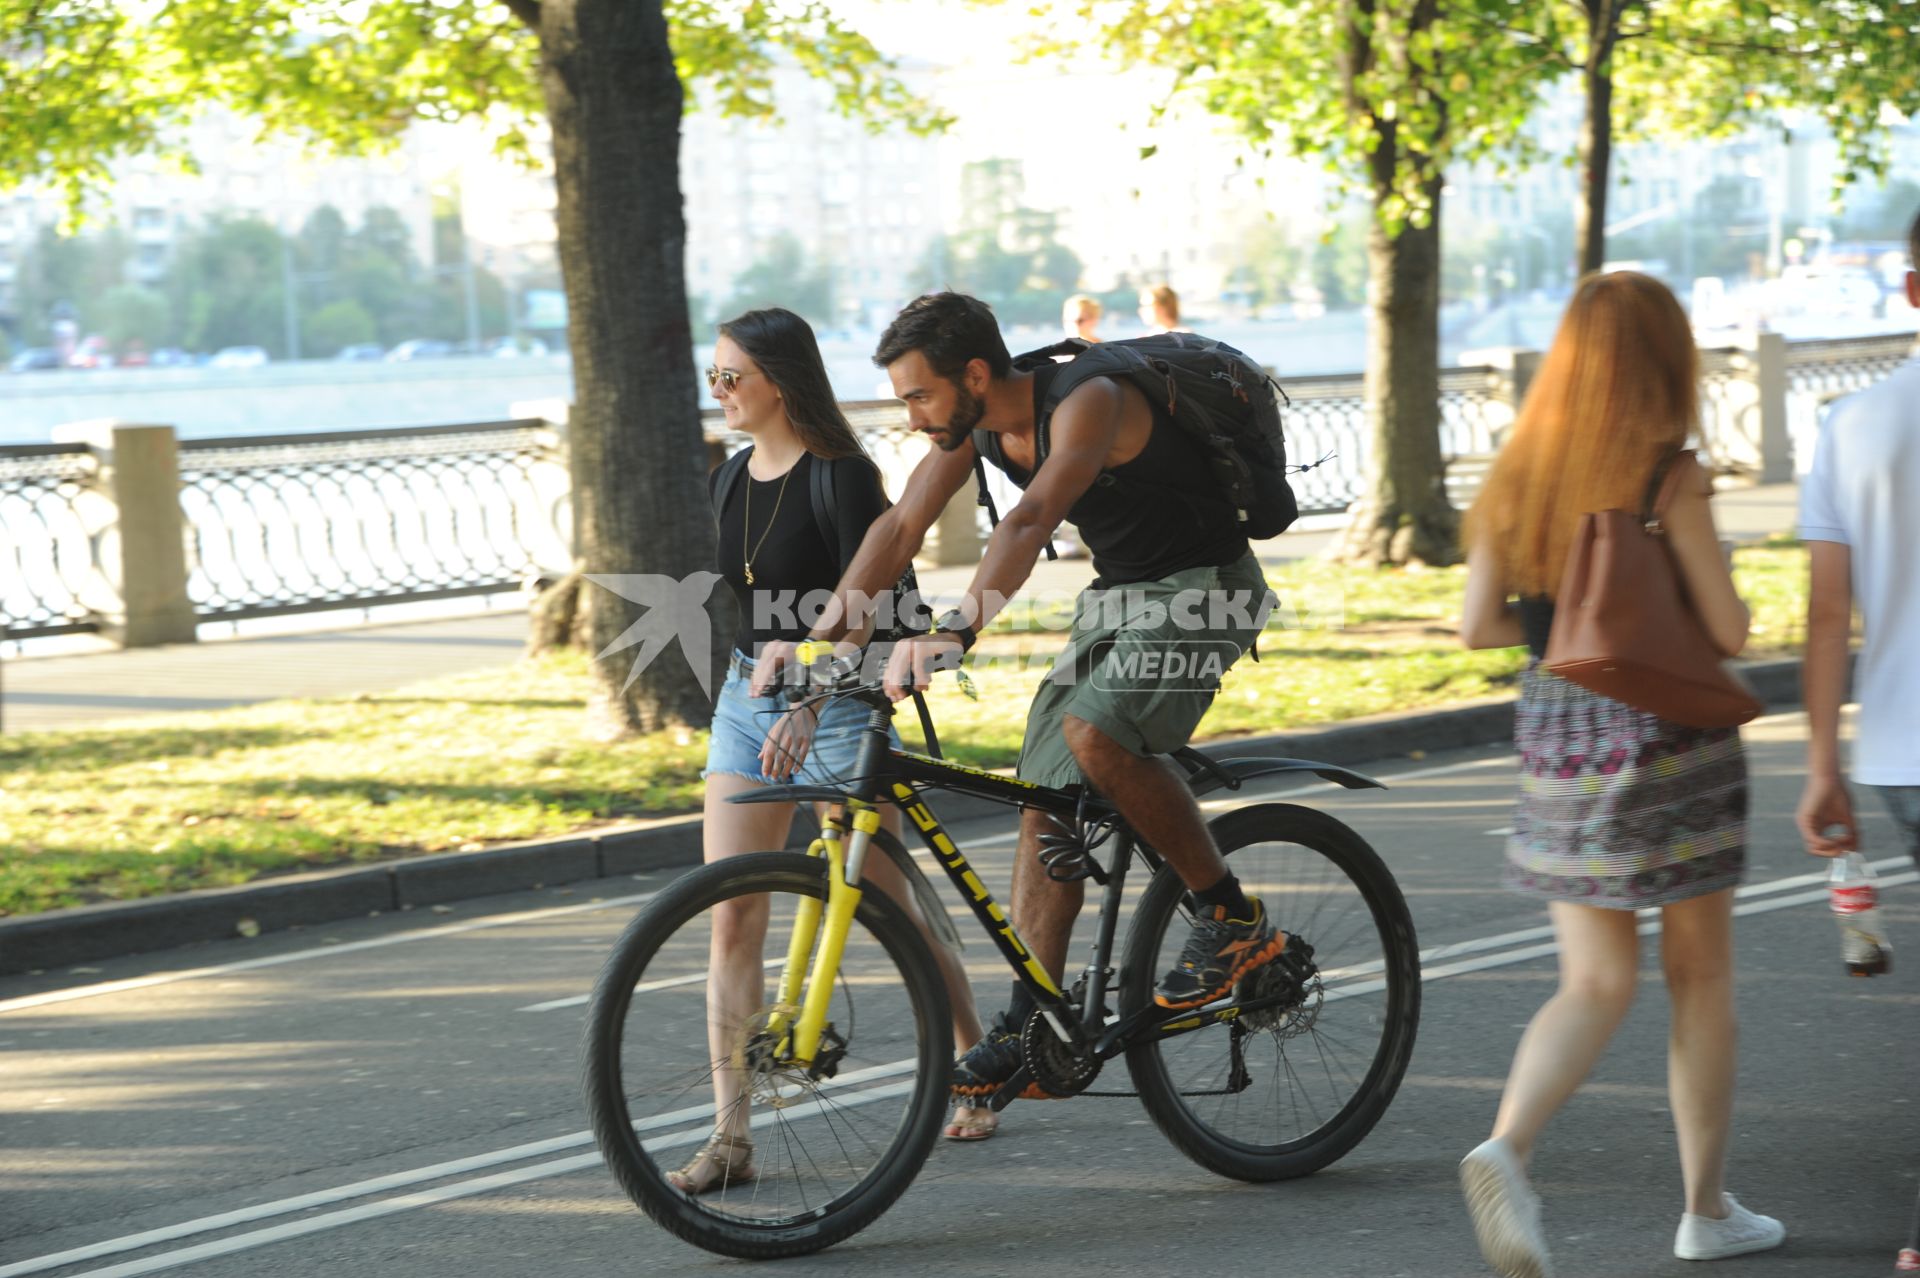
1173, 574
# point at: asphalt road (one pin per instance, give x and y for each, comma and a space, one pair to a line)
382, 1097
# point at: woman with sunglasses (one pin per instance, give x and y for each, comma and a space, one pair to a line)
771, 383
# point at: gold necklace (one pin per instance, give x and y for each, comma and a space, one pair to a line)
746, 520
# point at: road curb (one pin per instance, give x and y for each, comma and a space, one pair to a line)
61, 937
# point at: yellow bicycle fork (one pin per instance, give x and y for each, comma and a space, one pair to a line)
810, 992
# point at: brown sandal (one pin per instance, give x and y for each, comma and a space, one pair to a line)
728, 1161
980, 1122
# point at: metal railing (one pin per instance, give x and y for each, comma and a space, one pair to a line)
52, 517
1819, 372
289, 524
279, 524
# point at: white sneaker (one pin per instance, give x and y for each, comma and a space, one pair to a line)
1505, 1211
1704, 1238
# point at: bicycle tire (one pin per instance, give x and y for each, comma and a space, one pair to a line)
883, 929
1341, 856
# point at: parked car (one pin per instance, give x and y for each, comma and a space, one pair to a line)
170, 357
91, 352
239, 357
513, 347
421, 348
34, 359
362, 351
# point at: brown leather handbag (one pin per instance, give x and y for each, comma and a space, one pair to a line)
1623, 627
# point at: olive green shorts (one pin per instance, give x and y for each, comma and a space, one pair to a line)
1143, 662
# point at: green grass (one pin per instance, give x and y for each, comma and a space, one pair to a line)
163, 804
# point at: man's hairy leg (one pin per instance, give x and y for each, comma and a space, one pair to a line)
1153, 795
1043, 909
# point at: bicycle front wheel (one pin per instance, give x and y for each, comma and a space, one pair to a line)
1296, 1081
678, 1047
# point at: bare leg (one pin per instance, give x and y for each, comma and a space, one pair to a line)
1696, 949
1153, 795
1043, 909
736, 988
1599, 959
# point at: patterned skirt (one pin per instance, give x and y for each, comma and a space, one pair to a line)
1619, 808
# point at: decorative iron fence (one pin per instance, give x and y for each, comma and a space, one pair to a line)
289, 524
1819, 372
299, 523
51, 520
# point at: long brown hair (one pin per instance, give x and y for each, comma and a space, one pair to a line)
783, 345
1618, 390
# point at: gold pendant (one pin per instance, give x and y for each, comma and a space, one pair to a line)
749, 568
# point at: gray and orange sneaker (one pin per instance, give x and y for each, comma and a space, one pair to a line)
990, 1065
1220, 952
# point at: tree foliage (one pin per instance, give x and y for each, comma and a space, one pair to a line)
87, 82
1708, 68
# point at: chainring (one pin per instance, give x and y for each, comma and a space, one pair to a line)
1059, 1068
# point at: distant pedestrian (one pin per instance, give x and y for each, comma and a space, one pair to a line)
1080, 316
1860, 518
1160, 309
1618, 809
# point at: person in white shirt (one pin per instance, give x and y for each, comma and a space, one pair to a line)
1860, 518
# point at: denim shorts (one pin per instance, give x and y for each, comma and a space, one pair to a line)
1904, 802
741, 722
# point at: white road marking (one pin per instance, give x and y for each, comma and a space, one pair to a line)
645, 987
436, 1171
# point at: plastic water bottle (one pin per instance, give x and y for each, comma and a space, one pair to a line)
1855, 901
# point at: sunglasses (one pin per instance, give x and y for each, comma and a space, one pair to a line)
727, 378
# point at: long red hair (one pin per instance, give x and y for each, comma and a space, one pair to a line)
1617, 391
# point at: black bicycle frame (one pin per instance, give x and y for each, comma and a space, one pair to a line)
903, 774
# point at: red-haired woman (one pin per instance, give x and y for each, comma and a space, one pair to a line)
1619, 810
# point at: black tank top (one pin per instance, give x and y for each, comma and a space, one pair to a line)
1150, 517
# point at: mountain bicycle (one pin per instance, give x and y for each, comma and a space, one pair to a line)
843, 1066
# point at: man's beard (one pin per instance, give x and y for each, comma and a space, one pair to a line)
968, 409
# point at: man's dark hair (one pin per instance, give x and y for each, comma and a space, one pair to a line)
950, 329
1913, 242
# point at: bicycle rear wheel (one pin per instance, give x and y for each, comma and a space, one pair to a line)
672, 1055
1283, 1091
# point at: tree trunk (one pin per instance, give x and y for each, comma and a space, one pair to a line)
1403, 516
1596, 136
613, 99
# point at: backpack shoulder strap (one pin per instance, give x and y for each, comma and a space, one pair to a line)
820, 490
723, 479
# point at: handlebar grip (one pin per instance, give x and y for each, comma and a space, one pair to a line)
811, 650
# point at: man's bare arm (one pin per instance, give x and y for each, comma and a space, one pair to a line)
1823, 672
1081, 435
895, 538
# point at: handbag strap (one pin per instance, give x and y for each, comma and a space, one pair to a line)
1660, 490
